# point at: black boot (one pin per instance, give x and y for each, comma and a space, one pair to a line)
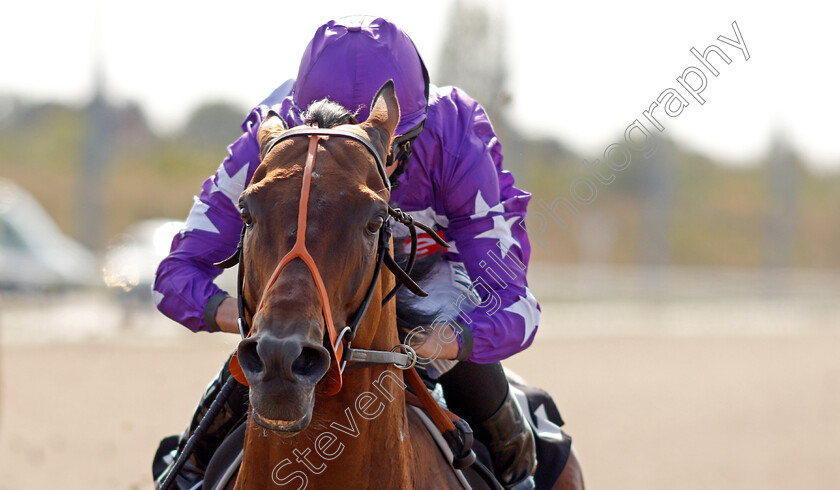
231, 415
511, 443
480, 394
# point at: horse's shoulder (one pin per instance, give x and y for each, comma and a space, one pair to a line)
433, 468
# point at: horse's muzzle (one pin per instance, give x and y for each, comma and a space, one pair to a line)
282, 373
292, 359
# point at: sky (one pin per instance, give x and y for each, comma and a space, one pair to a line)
581, 71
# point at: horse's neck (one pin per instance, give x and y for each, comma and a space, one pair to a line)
358, 438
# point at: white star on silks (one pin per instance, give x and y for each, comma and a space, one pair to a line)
233, 186
198, 220
482, 208
526, 307
501, 232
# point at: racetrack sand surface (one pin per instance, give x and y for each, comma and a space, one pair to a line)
750, 413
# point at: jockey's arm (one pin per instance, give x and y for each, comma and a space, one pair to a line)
486, 225
227, 315
184, 288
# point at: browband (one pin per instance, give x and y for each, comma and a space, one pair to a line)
309, 131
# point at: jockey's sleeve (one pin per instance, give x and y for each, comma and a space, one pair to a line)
487, 226
184, 289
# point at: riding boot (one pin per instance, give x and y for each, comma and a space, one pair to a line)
511, 444
228, 418
480, 394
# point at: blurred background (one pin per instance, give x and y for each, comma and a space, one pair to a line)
691, 308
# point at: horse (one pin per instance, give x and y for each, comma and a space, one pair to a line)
313, 244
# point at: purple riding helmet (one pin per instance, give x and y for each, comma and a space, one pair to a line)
455, 182
351, 58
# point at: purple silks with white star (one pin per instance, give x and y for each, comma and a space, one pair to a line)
454, 182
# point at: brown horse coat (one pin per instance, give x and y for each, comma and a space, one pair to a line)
362, 437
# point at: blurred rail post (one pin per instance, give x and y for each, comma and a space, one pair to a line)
99, 143
100, 132
474, 56
781, 222
657, 187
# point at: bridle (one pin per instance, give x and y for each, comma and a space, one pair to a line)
338, 341
455, 431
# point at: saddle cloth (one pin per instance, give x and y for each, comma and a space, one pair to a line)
553, 445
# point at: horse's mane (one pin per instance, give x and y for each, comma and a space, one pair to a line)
328, 114
409, 316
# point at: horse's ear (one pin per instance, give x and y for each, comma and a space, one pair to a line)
272, 126
383, 119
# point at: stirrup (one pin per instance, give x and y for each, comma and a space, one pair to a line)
526, 484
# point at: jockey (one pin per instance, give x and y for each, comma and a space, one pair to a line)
448, 174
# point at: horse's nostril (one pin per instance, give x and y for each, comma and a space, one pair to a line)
249, 358
265, 357
310, 361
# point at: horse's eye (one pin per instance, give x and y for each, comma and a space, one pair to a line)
376, 223
246, 217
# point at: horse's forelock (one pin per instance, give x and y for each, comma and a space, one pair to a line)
328, 114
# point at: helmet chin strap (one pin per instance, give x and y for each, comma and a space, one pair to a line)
402, 145
401, 151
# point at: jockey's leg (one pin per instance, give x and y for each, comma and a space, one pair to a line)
480, 394
227, 419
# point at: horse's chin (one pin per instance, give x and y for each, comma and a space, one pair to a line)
286, 428
285, 412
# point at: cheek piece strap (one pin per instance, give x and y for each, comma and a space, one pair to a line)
339, 343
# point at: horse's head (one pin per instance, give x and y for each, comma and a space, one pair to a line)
309, 254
